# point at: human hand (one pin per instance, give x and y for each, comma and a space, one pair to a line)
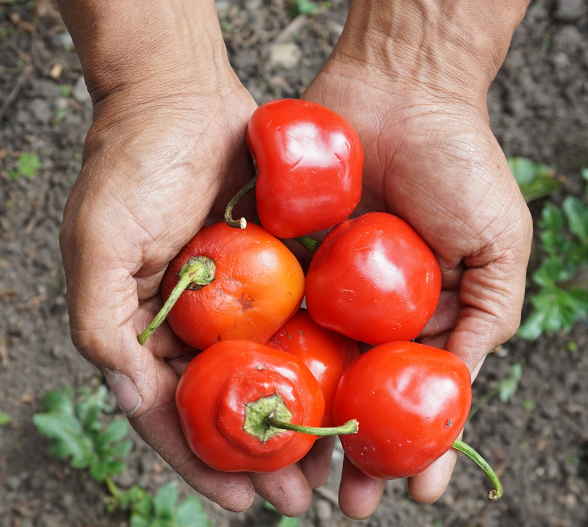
412, 78
164, 155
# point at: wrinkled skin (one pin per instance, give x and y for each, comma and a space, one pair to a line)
432, 159
166, 151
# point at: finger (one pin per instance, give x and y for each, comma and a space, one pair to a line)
102, 298
160, 428
287, 490
429, 486
492, 296
445, 317
316, 465
359, 495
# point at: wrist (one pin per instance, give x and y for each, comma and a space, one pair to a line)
149, 48
453, 46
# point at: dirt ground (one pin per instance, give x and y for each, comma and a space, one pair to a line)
538, 441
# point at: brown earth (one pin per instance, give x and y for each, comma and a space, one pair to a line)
538, 441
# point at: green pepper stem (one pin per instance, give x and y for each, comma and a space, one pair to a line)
466, 449
350, 427
241, 223
198, 271
308, 243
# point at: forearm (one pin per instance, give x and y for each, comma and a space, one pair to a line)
128, 43
431, 41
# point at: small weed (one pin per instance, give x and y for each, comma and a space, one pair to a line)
559, 294
78, 430
505, 390
65, 90
27, 165
4, 418
305, 7
535, 179
572, 347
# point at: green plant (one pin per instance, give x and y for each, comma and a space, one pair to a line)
4, 418
285, 521
559, 294
28, 164
535, 179
305, 7
162, 510
79, 430
506, 389
65, 90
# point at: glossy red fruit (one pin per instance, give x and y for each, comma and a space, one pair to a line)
326, 353
374, 279
309, 161
224, 387
258, 285
411, 401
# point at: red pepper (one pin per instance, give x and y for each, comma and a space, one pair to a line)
374, 279
235, 400
309, 161
326, 353
228, 284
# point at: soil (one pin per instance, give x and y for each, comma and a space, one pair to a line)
537, 441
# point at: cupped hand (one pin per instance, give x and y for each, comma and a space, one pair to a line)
431, 158
155, 169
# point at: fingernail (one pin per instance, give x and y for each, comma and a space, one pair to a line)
125, 392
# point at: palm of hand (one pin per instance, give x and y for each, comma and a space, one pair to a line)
151, 177
434, 161
436, 164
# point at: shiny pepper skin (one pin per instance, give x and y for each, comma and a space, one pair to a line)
374, 279
258, 285
213, 395
411, 401
309, 161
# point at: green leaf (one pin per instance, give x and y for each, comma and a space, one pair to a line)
116, 430
509, 385
28, 164
4, 418
119, 450
133, 495
159, 522
67, 437
552, 223
306, 7
60, 401
584, 174
286, 521
165, 501
143, 507
535, 180
90, 406
76, 431
191, 513
556, 309
138, 521
576, 212
65, 90
532, 327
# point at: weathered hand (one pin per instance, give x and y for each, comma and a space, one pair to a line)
164, 155
413, 81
